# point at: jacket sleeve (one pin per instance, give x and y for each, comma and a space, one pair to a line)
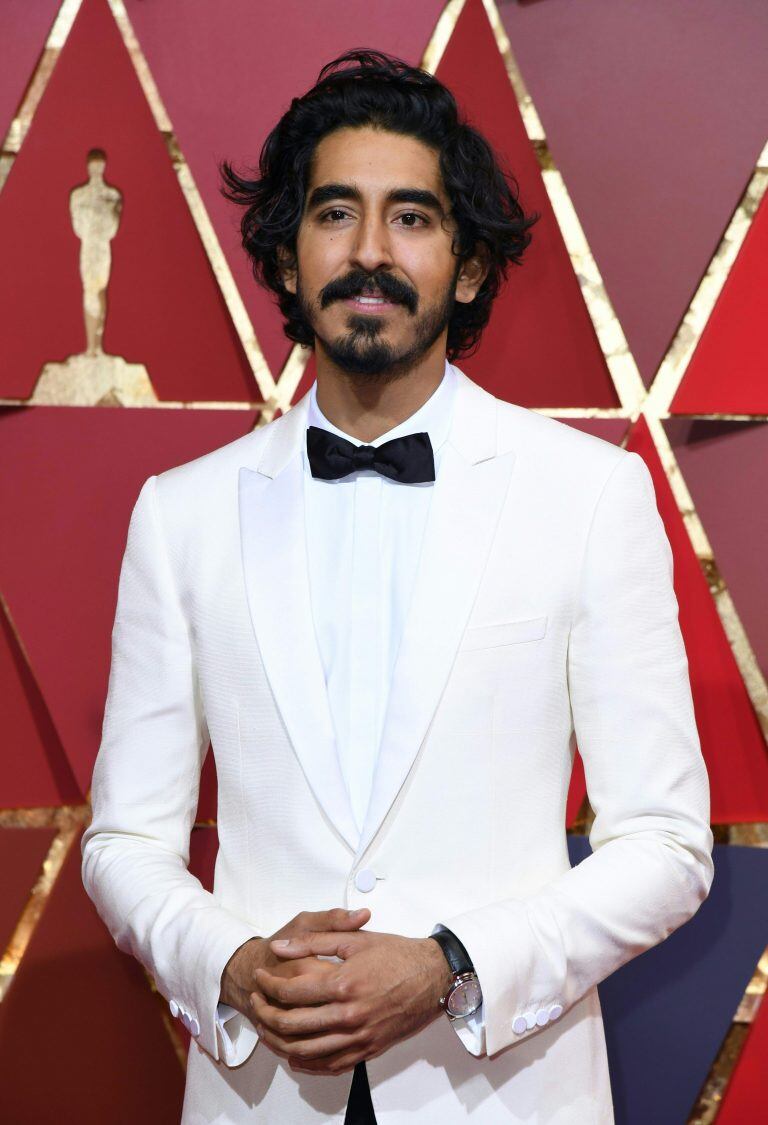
144, 792
651, 863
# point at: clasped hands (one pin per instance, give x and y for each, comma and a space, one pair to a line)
325, 1016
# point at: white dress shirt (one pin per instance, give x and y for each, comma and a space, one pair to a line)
364, 536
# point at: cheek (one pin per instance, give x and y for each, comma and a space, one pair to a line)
319, 261
431, 274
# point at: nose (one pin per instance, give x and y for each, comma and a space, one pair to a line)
371, 248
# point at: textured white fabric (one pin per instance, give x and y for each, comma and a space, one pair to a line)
542, 613
364, 534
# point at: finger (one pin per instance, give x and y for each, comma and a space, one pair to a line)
337, 919
311, 1048
301, 1022
289, 1022
295, 991
339, 1063
283, 1029
318, 944
354, 919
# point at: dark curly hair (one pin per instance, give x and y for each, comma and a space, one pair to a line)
367, 87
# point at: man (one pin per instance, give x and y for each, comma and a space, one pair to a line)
394, 610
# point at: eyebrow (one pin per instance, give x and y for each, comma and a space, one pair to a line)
324, 193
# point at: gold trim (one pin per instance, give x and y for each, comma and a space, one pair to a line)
743, 652
713, 1091
675, 363
22, 121
441, 36
290, 377
159, 405
198, 210
68, 822
19, 127
627, 381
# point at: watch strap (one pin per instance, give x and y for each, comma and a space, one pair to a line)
455, 953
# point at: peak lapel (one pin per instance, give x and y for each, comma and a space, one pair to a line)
274, 558
469, 494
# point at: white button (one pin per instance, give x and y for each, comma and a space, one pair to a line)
555, 1011
194, 1027
174, 1008
542, 1017
365, 880
530, 1020
519, 1025
185, 1019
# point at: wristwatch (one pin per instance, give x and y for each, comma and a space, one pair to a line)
464, 995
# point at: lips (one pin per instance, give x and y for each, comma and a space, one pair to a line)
372, 304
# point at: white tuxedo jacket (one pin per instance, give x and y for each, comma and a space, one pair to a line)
543, 615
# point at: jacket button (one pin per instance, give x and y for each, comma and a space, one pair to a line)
519, 1025
185, 1019
555, 1011
365, 880
194, 1027
174, 1008
530, 1020
542, 1017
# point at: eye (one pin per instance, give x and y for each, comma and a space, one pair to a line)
410, 215
413, 215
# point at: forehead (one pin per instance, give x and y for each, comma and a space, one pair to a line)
375, 160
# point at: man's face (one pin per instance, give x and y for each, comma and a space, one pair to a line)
376, 276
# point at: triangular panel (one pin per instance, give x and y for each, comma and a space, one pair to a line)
164, 309
36, 771
725, 466
539, 348
731, 741
655, 122
22, 851
69, 477
80, 1027
727, 372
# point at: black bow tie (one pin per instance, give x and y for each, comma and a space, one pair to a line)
406, 459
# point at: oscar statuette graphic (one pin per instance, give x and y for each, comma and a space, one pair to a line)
94, 378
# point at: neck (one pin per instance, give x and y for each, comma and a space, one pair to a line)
367, 406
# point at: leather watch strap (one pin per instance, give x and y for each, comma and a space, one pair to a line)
455, 953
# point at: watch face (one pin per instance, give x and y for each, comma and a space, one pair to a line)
465, 999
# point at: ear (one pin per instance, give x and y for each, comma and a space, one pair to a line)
472, 274
287, 263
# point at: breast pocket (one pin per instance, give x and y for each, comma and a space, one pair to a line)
505, 633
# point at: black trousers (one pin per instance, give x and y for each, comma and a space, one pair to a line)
360, 1106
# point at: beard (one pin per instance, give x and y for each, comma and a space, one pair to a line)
362, 352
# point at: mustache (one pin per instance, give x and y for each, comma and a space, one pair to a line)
358, 283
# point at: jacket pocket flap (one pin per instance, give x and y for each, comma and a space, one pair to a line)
506, 633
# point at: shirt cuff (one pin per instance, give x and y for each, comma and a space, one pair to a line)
237, 1042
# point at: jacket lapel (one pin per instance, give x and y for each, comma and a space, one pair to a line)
274, 557
469, 493
468, 498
